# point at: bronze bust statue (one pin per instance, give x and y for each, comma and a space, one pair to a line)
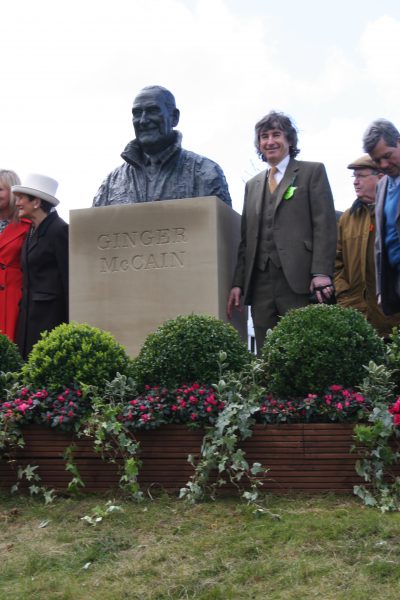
156, 167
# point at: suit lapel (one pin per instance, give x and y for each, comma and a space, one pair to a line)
288, 180
379, 204
258, 192
41, 231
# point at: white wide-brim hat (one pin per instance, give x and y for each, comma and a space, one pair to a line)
39, 186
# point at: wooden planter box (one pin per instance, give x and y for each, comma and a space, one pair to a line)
301, 457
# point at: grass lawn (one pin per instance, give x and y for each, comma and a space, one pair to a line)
324, 547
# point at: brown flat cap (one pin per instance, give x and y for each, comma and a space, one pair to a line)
364, 162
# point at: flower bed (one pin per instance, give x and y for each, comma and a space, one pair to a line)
306, 457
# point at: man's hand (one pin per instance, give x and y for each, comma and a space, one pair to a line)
233, 301
322, 285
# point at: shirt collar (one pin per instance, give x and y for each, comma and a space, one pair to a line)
281, 167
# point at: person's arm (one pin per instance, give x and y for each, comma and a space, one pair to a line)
61, 241
340, 281
323, 218
239, 274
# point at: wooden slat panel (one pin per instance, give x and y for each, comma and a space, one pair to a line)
301, 457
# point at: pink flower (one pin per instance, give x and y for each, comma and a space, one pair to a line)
336, 387
339, 406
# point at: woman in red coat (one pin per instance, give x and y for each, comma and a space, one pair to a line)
12, 236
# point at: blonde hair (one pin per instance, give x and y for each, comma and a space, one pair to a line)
10, 178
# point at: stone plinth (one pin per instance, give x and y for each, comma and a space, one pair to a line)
132, 267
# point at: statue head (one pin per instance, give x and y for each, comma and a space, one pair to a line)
154, 115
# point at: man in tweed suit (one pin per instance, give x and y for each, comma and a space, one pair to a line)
288, 231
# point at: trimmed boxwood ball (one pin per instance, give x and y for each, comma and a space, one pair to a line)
393, 357
186, 349
75, 353
10, 359
314, 347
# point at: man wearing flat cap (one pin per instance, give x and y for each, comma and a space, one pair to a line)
355, 265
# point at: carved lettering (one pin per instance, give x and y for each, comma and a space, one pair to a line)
162, 260
107, 266
146, 243
147, 237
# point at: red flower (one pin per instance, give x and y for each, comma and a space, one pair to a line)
336, 388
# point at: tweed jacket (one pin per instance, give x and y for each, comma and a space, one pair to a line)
355, 266
304, 226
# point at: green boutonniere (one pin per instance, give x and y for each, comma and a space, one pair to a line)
289, 192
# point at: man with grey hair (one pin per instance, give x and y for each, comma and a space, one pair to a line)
382, 142
156, 167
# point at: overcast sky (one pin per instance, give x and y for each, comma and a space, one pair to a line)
70, 70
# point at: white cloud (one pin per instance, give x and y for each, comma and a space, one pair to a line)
380, 49
71, 70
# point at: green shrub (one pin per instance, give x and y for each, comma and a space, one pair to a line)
185, 350
10, 359
314, 347
393, 357
75, 353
